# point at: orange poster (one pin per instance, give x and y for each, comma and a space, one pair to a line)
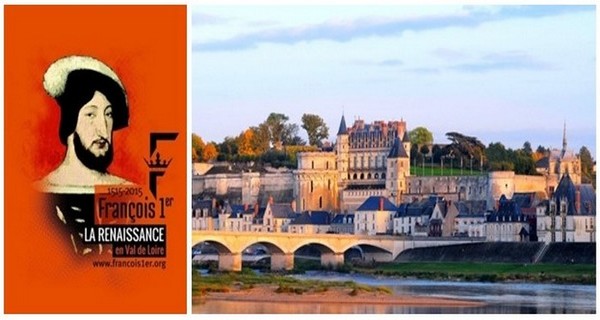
95, 159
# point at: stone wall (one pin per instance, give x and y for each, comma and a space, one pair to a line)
246, 187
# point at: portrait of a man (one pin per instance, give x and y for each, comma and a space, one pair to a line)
93, 104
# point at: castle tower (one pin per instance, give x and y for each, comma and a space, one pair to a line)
406, 144
398, 168
316, 177
342, 149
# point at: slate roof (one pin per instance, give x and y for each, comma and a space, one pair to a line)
508, 211
588, 199
313, 218
405, 138
372, 204
543, 163
423, 207
397, 150
470, 207
282, 211
202, 204
339, 218
342, 129
565, 189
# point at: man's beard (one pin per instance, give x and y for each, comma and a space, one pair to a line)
90, 160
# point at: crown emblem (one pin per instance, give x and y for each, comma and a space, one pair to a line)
158, 163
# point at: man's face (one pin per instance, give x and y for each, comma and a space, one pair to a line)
93, 133
95, 124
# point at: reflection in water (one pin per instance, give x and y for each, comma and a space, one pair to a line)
522, 298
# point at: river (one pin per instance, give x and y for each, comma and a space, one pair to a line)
523, 298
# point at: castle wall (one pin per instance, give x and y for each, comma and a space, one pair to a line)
246, 187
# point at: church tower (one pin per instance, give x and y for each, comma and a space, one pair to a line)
398, 168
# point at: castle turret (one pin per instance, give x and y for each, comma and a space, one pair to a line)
398, 169
342, 150
406, 144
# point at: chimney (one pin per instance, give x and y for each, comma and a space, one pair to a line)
245, 207
293, 205
256, 208
214, 203
577, 201
380, 203
270, 199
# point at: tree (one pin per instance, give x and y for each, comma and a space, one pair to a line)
244, 143
424, 150
527, 148
539, 153
290, 135
523, 162
420, 136
437, 152
210, 152
587, 166
261, 139
228, 149
276, 125
197, 147
463, 146
315, 127
414, 152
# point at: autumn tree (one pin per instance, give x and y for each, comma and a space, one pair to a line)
210, 152
245, 143
315, 127
197, 147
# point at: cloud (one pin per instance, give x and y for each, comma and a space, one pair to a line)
199, 19
390, 63
424, 70
343, 31
511, 60
449, 54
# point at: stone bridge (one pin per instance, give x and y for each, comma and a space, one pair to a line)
282, 246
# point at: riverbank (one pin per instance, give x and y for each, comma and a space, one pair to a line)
487, 272
337, 295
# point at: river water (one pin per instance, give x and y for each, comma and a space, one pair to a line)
523, 298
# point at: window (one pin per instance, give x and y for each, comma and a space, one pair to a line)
329, 184
327, 165
312, 163
320, 202
311, 186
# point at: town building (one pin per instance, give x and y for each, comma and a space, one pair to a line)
311, 222
569, 215
375, 216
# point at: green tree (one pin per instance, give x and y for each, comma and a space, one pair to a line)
420, 136
228, 149
315, 127
463, 146
261, 138
276, 125
437, 152
424, 150
527, 148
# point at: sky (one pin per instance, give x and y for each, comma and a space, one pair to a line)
505, 74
